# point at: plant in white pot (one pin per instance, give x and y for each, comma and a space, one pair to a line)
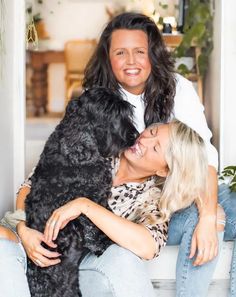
229, 175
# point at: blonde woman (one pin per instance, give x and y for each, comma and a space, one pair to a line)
151, 180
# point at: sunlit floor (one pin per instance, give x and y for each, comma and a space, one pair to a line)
166, 288
37, 132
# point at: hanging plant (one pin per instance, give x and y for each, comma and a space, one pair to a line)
198, 31
35, 27
31, 35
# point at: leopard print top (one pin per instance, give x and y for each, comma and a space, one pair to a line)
136, 202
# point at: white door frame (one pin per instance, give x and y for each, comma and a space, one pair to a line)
18, 85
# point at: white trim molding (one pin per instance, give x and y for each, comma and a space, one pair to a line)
18, 84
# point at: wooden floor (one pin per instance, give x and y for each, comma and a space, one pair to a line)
166, 288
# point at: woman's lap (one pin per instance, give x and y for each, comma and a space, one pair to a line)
13, 282
121, 271
118, 270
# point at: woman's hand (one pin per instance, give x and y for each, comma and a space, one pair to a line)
31, 240
61, 217
204, 241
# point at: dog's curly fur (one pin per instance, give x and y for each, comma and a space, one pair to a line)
75, 163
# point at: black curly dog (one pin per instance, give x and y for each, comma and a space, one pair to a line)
75, 163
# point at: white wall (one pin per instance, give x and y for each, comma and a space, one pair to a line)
12, 105
73, 19
220, 84
68, 20
212, 94
85, 19
228, 84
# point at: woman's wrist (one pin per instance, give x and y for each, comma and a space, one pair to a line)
210, 218
84, 206
20, 227
207, 212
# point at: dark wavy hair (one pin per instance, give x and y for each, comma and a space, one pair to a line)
160, 86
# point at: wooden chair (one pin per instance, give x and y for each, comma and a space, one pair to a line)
77, 55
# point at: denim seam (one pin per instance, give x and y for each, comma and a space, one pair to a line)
232, 274
233, 227
101, 272
221, 194
185, 270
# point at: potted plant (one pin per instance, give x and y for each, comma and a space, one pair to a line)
229, 175
198, 32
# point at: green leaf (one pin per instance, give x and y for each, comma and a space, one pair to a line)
198, 30
230, 171
183, 69
163, 6
160, 21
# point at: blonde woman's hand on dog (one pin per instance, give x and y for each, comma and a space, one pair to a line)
60, 218
31, 240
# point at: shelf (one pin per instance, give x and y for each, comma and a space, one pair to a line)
174, 40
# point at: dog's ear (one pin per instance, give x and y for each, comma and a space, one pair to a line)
120, 130
72, 108
79, 147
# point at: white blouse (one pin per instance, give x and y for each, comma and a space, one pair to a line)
187, 108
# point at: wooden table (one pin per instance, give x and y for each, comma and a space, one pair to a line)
39, 61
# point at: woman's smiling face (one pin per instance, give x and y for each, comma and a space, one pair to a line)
129, 59
148, 153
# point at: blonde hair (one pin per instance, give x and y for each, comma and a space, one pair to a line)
186, 180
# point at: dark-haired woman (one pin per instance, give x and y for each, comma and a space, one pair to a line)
132, 59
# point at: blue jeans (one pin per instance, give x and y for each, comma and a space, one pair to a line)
194, 281
118, 272
191, 281
227, 200
13, 282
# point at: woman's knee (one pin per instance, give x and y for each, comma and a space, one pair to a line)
122, 257
115, 258
6, 233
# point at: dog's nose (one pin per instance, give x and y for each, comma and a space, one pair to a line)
133, 136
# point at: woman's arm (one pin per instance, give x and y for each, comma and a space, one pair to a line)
20, 200
204, 240
122, 231
189, 110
